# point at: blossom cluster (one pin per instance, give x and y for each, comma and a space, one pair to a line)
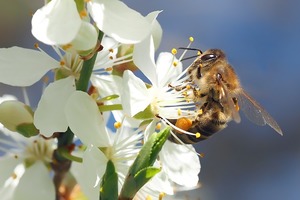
65, 147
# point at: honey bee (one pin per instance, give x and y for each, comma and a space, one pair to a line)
218, 94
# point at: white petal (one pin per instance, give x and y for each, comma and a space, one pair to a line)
180, 163
89, 173
117, 20
156, 30
56, 23
8, 164
85, 120
36, 183
49, 116
143, 58
86, 38
135, 96
166, 71
24, 67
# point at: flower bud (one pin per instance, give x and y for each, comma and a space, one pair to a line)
17, 116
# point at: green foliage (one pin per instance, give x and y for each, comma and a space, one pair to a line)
142, 169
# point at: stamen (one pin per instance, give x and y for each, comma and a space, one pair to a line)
198, 135
158, 126
117, 125
66, 47
161, 195
25, 95
174, 51
109, 69
62, 63
14, 176
191, 39
179, 112
83, 14
36, 45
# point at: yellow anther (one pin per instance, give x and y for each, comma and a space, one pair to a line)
175, 64
111, 50
199, 53
191, 39
174, 51
188, 87
66, 47
83, 13
36, 45
198, 135
111, 58
117, 125
179, 112
109, 69
161, 195
158, 126
14, 176
201, 155
62, 63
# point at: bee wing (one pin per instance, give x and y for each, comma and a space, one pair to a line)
254, 112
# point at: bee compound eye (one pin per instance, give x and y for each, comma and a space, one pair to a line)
208, 57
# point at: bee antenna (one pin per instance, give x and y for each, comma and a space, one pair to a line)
191, 49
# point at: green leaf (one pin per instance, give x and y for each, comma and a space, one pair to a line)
109, 184
27, 130
141, 170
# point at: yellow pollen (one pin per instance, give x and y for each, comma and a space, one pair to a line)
174, 51
201, 155
117, 125
161, 195
188, 87
111, 50
158, 126
62, 63
179, 112
66, 47
110, 57
191, 39
109, 69
175, 64
198, 135
36, 45
83, 13
199, 53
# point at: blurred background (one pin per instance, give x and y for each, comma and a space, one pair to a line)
261, 39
